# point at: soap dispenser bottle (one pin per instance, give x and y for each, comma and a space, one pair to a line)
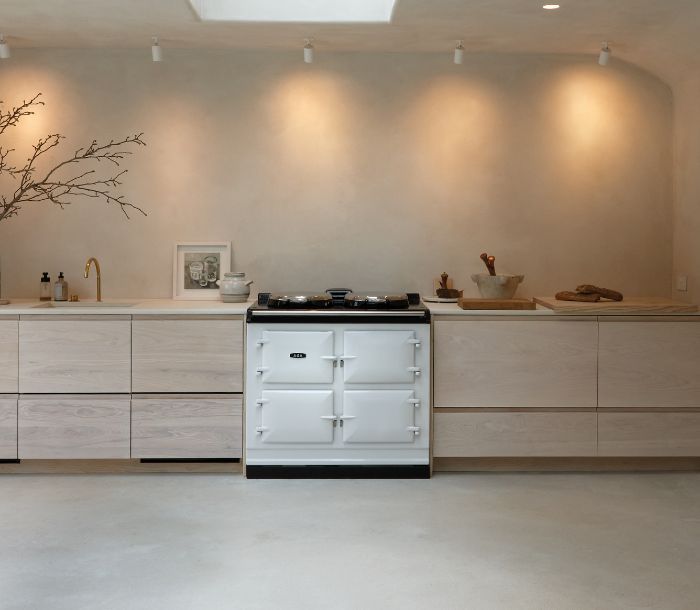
60, 289
45, 287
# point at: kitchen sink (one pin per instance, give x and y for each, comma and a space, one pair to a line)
84, 304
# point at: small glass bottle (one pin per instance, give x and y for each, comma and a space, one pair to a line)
45, 287
60, 289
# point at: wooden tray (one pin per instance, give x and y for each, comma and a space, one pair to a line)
496, 304
632, 305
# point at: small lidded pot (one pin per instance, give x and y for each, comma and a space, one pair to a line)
234, 288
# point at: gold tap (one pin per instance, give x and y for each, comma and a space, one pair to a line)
92, 259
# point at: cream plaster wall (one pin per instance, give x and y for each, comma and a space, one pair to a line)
368, 170
687, 187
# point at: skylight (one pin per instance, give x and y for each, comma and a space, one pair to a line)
295, 11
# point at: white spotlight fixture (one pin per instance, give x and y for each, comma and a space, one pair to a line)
550, 7
308, 51
4, 48
459, 52
156, 49
604, 56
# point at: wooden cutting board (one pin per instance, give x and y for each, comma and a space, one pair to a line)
496, 304
632, 305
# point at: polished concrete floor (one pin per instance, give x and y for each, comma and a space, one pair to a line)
458, 541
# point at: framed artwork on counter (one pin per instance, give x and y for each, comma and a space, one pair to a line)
197, 268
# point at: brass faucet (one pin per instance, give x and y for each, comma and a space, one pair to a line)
92, 259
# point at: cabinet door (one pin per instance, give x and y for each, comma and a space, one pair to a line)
296, 416
87, 355
379, 356
73, 427
8, 427
649, 364
515, 434
297, 356
9, 345
194, 355
657, 434
379, 416
186, 427
528, 363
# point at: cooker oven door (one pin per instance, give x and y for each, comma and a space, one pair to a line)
296, 416
380, 356
379, 416
297, 357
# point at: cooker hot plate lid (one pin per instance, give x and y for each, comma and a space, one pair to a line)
299, 301
374, 301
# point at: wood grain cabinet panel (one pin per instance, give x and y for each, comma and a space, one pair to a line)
187, 355
8, 427
87, 355
649, 364
656, 434
73, 427
9, 354
515, 434
186, 427
515, 363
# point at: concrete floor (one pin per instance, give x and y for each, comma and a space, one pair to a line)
476, 541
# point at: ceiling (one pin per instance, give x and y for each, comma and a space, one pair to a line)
658, 35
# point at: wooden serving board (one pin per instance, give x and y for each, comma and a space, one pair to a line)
496, 304
632, 305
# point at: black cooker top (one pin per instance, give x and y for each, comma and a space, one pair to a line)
337, 297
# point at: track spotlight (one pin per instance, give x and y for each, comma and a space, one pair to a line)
308, 51
156, 50
4, 48
604, 56
459, 52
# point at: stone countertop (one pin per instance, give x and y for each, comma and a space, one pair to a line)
452, 309
139, 307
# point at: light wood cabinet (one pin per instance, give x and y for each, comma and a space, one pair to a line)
515, 363
9, 353
74, 427
8, 427
643, 434
75, 354
520, 434
186, 427
649, 363
187, 355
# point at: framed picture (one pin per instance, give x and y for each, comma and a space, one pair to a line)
197, 267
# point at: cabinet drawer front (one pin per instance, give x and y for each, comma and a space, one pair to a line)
522, 434
74, 356
515, 364
187, 356
658, 434
186, 427
649, 364
8, 428
9, 345
73, 427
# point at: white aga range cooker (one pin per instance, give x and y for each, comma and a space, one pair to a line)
338, 384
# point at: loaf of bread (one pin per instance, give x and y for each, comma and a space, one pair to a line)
567, 295
606, 293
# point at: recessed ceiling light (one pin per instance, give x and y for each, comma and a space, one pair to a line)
4, 48
296, 11
550, 7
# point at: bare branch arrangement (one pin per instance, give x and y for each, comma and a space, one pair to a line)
58, 185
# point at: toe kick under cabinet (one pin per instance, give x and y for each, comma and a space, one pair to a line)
555, 386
